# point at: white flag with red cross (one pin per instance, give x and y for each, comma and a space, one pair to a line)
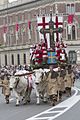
58, 22
4, 33
43, 22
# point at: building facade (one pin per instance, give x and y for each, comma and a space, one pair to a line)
18, 28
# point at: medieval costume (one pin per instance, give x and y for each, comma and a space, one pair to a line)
5, 88
61, 82
69, 80
52, 86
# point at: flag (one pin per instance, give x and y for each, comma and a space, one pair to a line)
58, 22
29, 29
17, 28
4, 33
70, 19
43, 22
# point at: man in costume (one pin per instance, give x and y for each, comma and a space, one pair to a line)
52, 86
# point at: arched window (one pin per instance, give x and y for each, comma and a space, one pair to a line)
69, 32
73, 32
18, 59
72, 57
24, 58
5, 60
12, 58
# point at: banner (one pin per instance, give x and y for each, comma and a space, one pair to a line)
4, 33
29, 30
70, 19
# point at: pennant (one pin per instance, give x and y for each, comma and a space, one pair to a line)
70, 19
29, 29
4, 33
43, 22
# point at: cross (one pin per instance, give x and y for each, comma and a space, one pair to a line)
43, 24
51, 30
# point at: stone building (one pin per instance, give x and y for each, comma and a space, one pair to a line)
18, 28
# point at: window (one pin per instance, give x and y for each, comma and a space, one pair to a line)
72, 57
12, 58
5, 60
71, 32
70, 8
18, 59
24, 58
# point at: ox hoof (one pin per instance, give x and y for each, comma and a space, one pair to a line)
44, 101
28, 101
38, 103
17, 105
7, 102
25, 103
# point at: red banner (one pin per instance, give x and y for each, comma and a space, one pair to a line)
70, 19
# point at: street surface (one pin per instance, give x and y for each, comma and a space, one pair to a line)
68, 109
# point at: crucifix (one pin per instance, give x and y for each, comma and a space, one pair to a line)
51, 30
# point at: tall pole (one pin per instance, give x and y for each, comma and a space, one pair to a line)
51, 27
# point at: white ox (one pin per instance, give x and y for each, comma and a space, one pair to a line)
41, 84
22, 85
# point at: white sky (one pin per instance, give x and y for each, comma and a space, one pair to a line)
11, 1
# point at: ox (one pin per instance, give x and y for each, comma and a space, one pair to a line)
22, 85
41, 84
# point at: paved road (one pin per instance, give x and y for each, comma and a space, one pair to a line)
66, 110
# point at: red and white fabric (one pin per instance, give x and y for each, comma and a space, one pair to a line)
57, 48
44, 50
38, 54
4, 33
43, 22
58, 22
62, 55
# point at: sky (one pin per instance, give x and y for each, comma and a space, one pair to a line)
12, 0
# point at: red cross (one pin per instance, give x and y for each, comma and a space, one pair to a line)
43, 24
57, 24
